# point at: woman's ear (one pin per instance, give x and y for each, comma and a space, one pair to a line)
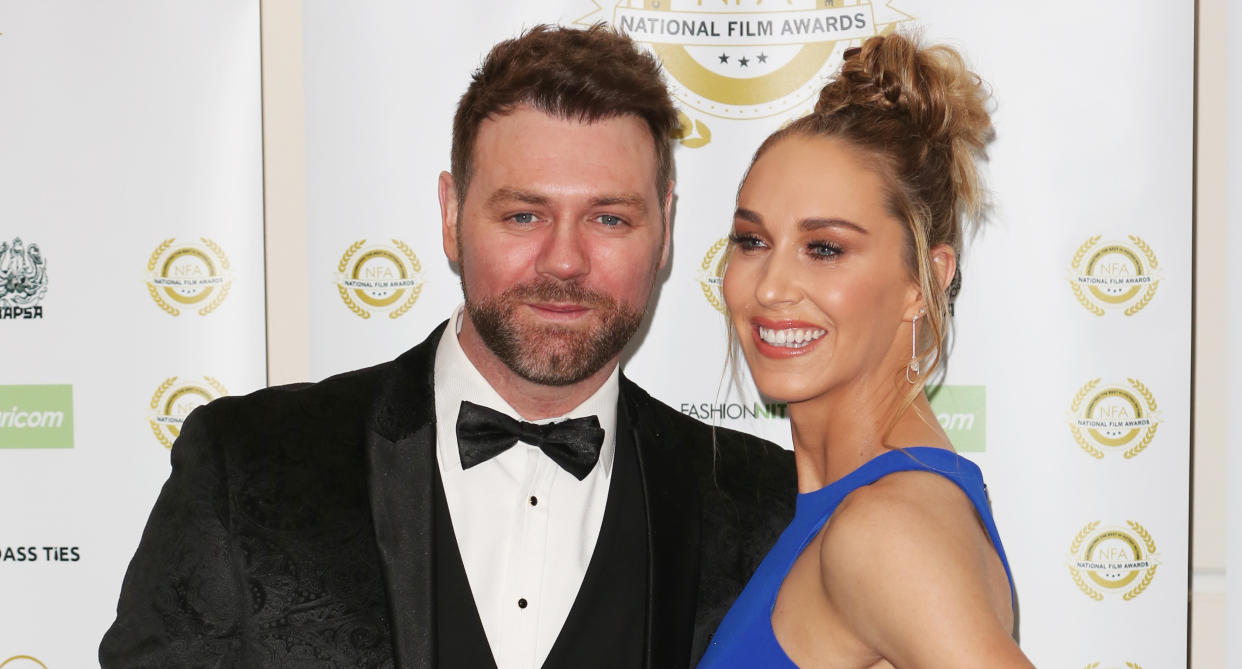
944, 264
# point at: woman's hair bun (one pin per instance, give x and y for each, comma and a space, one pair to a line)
944, 101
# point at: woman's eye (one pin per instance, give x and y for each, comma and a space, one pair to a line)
745, 242
823, 249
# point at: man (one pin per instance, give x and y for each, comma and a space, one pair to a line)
386, 517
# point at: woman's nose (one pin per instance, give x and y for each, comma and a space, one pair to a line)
778, 282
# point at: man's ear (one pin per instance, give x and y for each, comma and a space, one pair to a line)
447, 191
668, 225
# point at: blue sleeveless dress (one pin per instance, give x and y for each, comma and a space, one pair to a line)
745, 637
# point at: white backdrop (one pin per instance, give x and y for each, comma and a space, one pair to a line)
1069, 382
131, 157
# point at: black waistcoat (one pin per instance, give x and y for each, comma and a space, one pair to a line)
606, 626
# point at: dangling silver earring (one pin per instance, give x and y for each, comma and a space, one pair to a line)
914, 350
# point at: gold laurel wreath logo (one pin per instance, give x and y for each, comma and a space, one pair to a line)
706, 266
1078, 291
1151, 267
224, 264
415, 291
344, 292
222, 293
159, 392
22, 657
152, 262
221, 391
168, 383
1083, 442
1075, 546
1150, 573
406, 305
1151, 430
1077, 431
1138, 305
691, 133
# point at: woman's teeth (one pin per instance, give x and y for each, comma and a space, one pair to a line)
790, 337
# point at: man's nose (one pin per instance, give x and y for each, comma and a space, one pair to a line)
564, 254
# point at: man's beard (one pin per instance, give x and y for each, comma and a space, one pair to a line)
552, 355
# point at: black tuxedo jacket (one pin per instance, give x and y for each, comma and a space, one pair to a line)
295, 529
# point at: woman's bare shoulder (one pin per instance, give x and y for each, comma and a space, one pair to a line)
914, 574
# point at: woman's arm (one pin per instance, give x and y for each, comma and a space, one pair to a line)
915, 577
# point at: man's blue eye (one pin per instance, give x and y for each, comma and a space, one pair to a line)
610, 220
524, 218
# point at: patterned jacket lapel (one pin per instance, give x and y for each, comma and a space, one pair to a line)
400, 468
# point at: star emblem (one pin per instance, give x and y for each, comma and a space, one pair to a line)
724, 58
763, 58
743, 61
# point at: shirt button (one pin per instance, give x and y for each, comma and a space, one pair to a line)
522, 603
534, 501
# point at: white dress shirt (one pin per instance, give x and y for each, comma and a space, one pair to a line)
525, 527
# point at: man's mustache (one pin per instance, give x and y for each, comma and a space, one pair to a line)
550, 290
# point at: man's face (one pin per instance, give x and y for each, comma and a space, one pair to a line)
558, 239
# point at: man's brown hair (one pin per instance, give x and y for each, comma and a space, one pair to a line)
583, 75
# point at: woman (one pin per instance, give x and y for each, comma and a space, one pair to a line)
842, 267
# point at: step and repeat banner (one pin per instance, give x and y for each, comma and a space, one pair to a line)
131, 285
1069, 376
131, 264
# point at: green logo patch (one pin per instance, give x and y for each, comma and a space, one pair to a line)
36, 416
962, 412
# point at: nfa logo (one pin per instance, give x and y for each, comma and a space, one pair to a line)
1114, 418
1114, 275
1114, 560
747, 62
711, 273
22, 662
188, 276
23, 280
173, 401
381, 278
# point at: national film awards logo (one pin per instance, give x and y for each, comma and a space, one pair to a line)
1114, 418
22, 662
192, 276
711, 273
23, 280
379, 278
174, 400
742, 60
1114, 275
1113, 560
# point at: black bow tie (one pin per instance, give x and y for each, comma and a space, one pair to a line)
484, 433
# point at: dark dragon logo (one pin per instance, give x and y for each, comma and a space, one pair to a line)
23, 279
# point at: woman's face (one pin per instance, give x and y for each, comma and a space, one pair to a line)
817, 285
